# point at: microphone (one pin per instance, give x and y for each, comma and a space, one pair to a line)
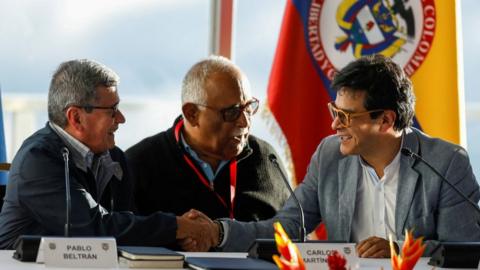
265, 248
303, 234
409, 153
65, 154
452, 254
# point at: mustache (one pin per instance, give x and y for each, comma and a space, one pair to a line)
114, 129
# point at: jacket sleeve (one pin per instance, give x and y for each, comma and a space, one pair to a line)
241, 235
41, 190
457, 220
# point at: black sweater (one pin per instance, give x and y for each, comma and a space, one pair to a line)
165, 182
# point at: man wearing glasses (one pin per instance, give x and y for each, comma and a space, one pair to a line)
208, 160
361, 185
83, 118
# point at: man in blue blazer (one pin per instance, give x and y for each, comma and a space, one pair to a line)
83, 118
361, 186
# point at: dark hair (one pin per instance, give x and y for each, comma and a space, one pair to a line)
386, 85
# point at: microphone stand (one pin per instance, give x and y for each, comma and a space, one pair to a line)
303, 234
265, 248
409, 153
27, 245
65, 154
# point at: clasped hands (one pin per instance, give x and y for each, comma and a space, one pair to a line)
374, 247
196, 231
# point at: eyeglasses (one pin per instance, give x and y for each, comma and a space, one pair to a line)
344, 117
89, 108
232, 113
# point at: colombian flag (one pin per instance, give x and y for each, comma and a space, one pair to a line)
319, 37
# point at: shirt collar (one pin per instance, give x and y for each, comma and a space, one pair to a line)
207, 169
83, 157
390, 168
81, 154
191, 151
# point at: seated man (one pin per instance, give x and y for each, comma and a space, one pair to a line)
83, 117
359, 183
207, 160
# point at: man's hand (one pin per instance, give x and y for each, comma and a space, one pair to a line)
196, 232
196, 215
374, 247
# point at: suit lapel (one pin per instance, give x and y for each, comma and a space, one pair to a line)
348, 175
407, 181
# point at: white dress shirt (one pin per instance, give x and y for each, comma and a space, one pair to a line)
375, 203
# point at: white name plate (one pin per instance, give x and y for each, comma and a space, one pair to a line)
80, 252
315, 254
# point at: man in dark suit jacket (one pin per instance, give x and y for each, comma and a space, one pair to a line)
83, 117
208, 160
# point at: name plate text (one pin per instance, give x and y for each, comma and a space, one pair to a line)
80, 252
315, 254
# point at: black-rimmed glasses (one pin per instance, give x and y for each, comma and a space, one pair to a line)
89, 108
232, 113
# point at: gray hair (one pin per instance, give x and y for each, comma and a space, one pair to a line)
193, 84
74, 83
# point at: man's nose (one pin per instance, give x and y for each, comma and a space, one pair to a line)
244, 119
119, 117
336, 123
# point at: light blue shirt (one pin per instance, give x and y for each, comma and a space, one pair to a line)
206, 168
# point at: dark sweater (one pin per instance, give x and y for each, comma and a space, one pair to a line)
165, 182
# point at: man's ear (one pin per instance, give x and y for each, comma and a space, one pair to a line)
388, 120
190, 113
74, 118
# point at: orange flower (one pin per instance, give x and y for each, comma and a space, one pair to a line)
291, 258
411, 252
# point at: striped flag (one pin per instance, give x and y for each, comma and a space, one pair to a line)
319, 37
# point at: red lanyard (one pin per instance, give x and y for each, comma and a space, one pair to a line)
205, 182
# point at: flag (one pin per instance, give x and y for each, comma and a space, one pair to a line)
319, 37
3, 152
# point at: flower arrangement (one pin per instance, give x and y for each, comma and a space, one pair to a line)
291, 258
411, 252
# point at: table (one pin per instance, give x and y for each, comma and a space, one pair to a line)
8, 263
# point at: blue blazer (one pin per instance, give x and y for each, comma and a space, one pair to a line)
35, 199
424, 203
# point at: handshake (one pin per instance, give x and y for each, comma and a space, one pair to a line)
197, 232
